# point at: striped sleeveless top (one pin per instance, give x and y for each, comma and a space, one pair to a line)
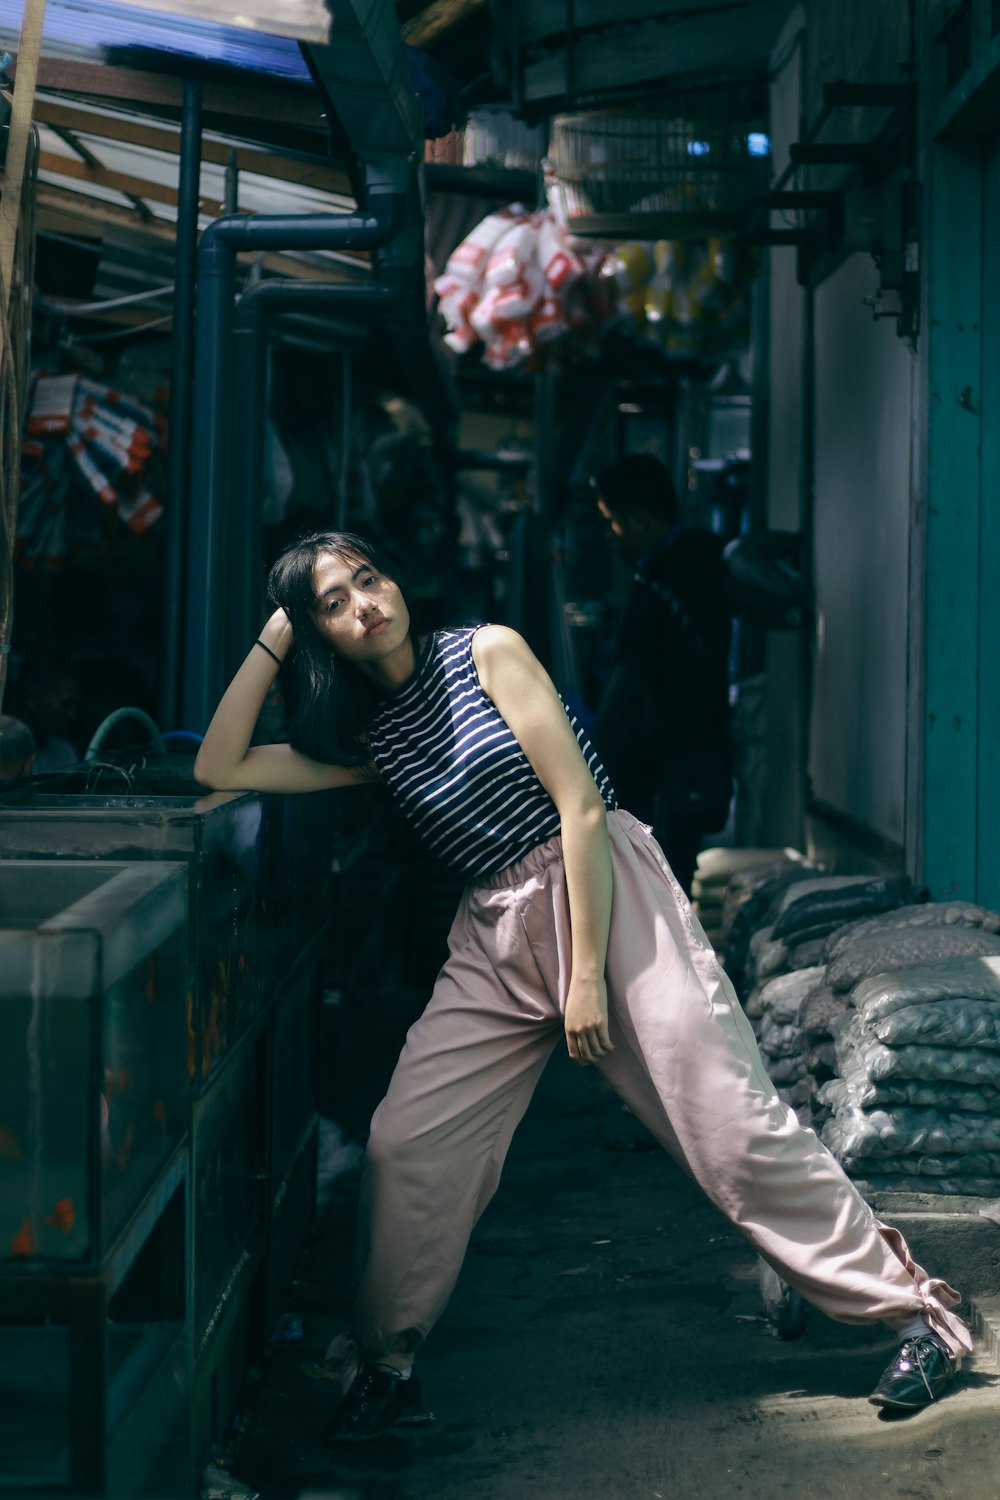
460, 776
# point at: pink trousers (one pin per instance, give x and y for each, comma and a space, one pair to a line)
685, 1062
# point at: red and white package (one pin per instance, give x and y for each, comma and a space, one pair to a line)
512, 255
560, 265
52, 404
518, 298
446, 286
141, 512
510, 348
462, 339
97, 480
483, 315
467, 261
456, 307
548, 321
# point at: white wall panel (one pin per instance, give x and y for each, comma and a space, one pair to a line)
781, 814
864, 388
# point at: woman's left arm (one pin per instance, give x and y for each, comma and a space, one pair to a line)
524, 695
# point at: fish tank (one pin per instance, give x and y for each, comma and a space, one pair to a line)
259, 888
93, 1051
228, 1188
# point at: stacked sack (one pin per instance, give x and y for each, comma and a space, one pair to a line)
785, 977
749, 897
721, 872
878, 1018
896, 940
916, 1102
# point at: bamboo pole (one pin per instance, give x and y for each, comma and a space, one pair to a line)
15, 304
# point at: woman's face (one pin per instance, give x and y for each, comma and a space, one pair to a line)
359, 612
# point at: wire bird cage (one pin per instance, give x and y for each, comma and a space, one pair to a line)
681, 172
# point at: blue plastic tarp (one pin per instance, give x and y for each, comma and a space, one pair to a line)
90, 25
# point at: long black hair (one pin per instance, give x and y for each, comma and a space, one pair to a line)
330, 702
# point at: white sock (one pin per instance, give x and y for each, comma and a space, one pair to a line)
918, 1329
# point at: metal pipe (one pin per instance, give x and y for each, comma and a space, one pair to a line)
210, 449
570, 45
346, 402
261, 302
188, 189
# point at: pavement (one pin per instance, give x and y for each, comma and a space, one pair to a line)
606, 1342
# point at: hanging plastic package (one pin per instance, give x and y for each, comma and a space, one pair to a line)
512, 255
467, 262
560, 264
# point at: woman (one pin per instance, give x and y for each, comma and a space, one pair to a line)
573, 924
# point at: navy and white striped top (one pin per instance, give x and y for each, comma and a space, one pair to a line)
461, 777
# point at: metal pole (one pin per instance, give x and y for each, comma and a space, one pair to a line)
180, 403
210, 447
205, 646
247, 468
346, 403
251, 330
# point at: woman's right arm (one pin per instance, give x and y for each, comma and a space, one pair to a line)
227, 763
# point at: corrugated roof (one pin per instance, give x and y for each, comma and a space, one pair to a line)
257, 193
83, 28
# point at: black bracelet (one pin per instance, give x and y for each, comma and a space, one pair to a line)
269, 652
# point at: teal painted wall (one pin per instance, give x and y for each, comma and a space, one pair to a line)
961, 714
988, 818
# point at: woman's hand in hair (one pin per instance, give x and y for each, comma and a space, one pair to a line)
277, 634
227, 763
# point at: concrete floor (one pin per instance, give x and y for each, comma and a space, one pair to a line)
605, 1343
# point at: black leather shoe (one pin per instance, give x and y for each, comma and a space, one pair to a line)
378, 1399
921, 1373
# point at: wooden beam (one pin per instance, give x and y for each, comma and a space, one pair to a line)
440, 17
134, 131
67, 166
735, 40
18, 138
86, 157
294, 104
99, 213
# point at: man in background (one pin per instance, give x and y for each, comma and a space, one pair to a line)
17, 749
662, 724
47, 693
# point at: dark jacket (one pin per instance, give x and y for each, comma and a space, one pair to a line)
662, 724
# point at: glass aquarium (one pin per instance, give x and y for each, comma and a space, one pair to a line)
259, 877
93, 1069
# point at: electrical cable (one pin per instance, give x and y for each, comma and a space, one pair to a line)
117, 333
84, 309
